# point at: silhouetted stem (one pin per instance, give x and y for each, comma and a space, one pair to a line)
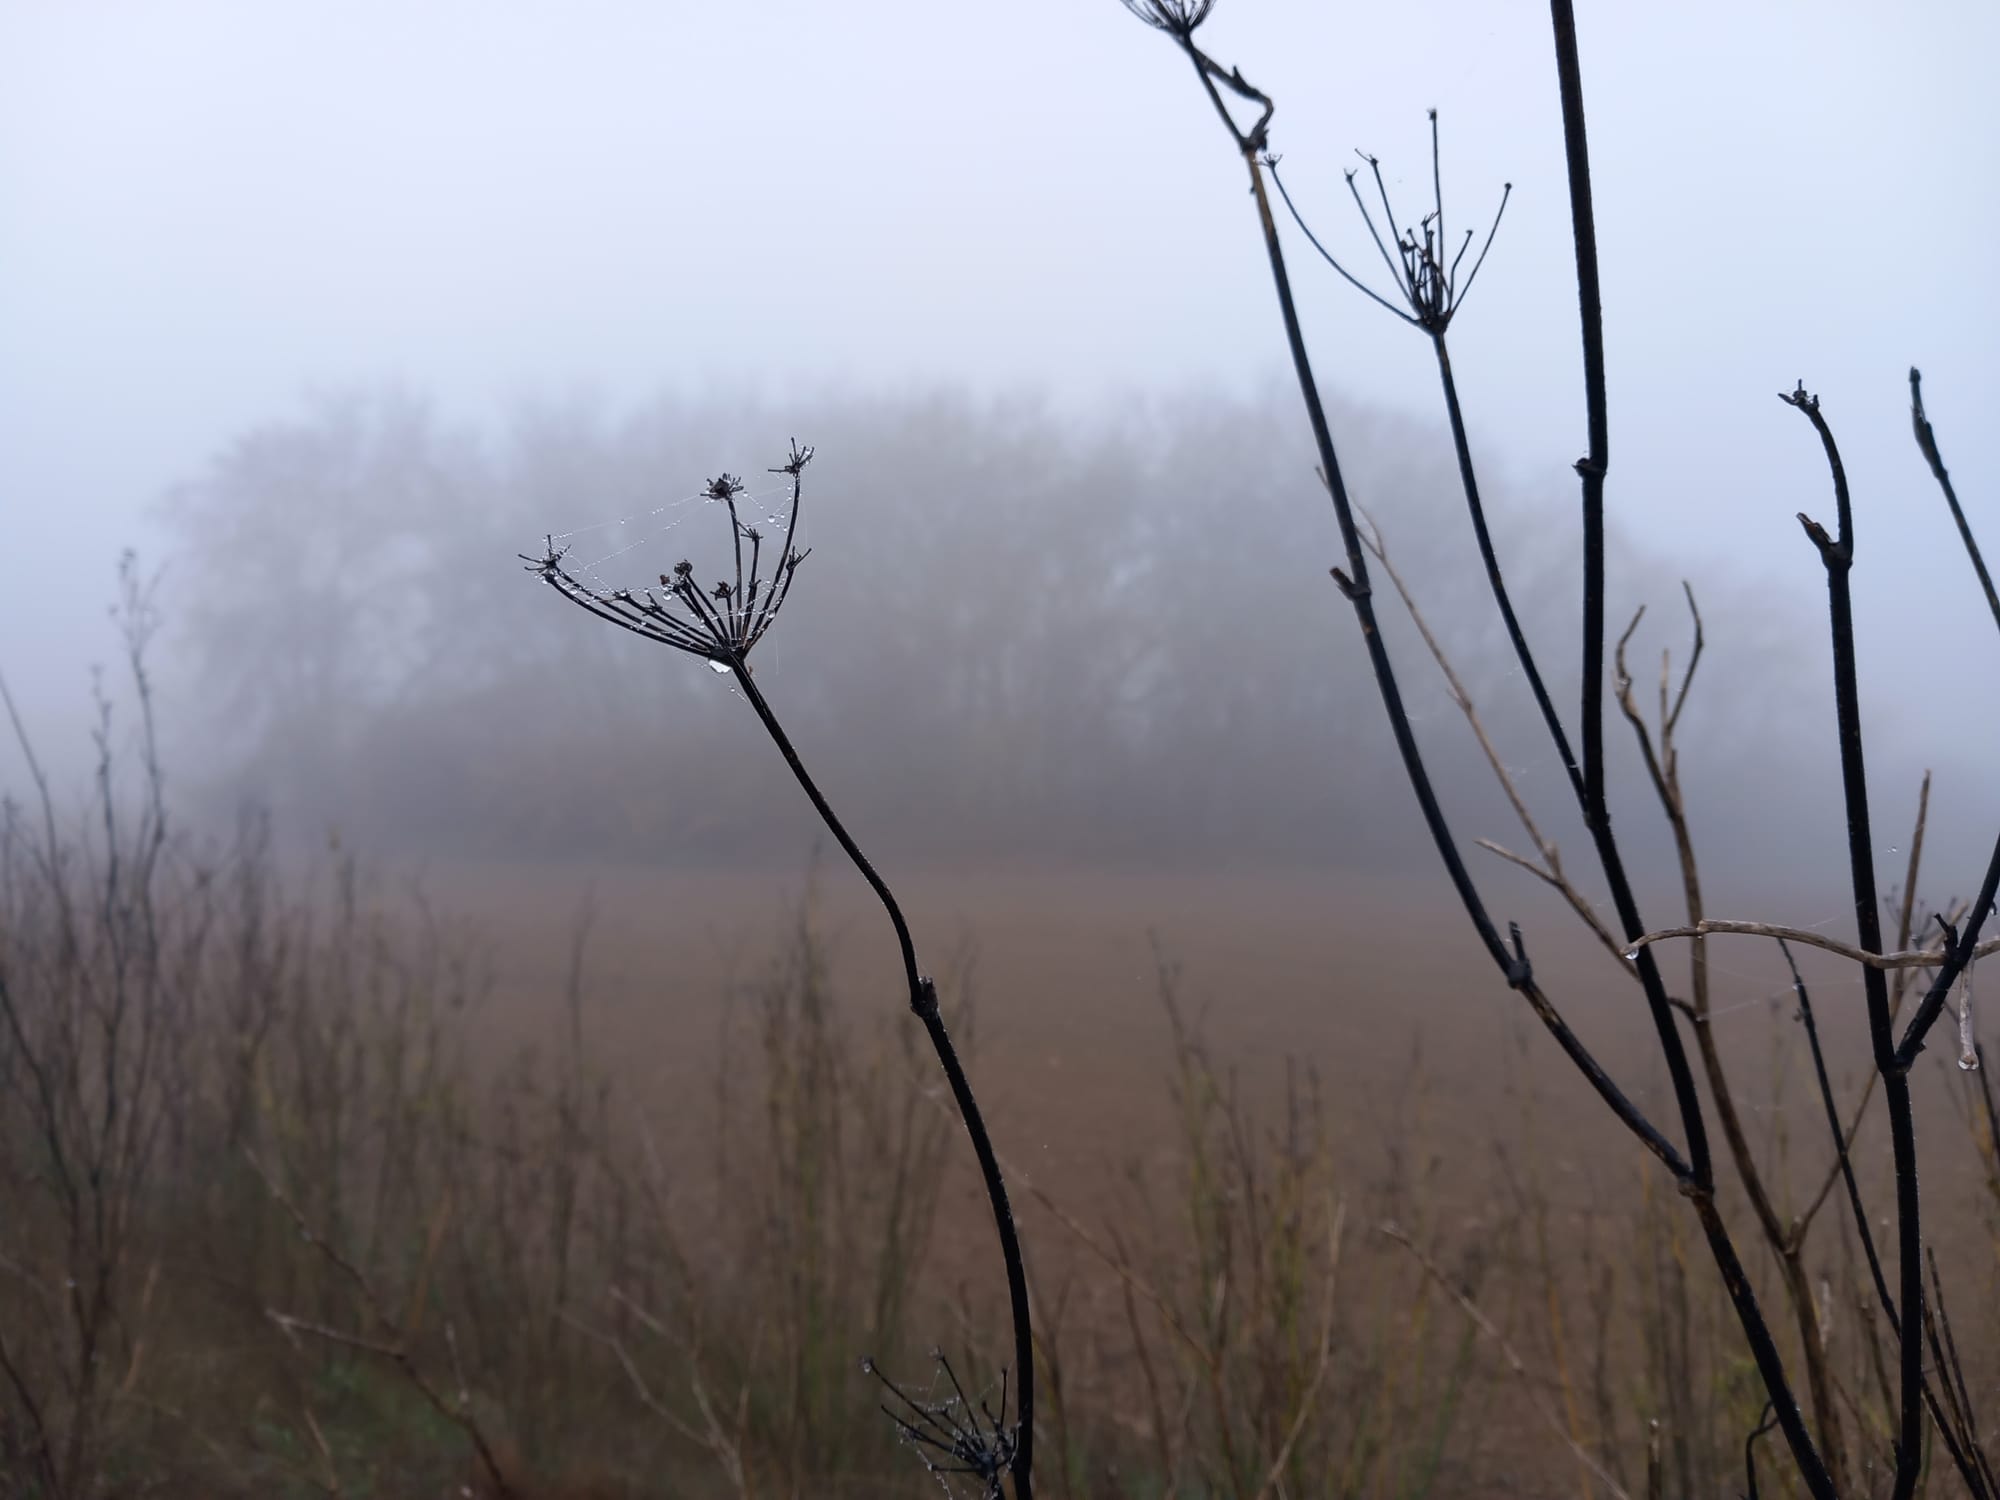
1662, 765
1844, 1167
1593, 465
1596, 812
1833, 1124
1837, 556
924, 1002
1969, 1455
1513, 963
1694, 1173
1469, 479
1927, 441
1959, 952
1765, 1423
1591, 470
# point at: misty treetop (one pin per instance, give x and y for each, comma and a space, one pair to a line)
1068, 621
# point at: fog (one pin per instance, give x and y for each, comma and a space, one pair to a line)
331, 309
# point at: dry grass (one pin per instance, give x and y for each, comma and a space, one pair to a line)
612, 1199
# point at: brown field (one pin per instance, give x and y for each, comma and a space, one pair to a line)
1375, 983
629, 1210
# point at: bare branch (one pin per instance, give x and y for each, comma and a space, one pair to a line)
1914, 958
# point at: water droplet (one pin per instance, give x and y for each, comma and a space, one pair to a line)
1631, 955
1968, 1044
718, 666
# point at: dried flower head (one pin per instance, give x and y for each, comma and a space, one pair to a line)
1177, 18
955, 1437
719, 623
1428, 288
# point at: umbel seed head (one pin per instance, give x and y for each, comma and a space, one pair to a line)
1174, 17
718, 622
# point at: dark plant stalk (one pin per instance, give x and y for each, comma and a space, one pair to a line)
924, 1003
1787, 1245
1695, 1181
1975, 1466
1592, 467
1591, 470
1354, 584
1468, 478
1953, 1416
1837, 555
1844, 1166
1765, 1422
1960, 950
1695, 1173
1927, 441
723, 637
1432, 305
1843, 1162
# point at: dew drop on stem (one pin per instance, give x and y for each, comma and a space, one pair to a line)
1968, 1048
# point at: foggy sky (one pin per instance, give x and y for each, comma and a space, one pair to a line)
207, 209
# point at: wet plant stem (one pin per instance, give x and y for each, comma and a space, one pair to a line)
1591, 469
924, 1003
1469, 479
1355, 585
1844, 1166
1837, 556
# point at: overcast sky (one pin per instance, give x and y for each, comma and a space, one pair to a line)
208, 209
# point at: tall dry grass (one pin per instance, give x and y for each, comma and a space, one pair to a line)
279, 1222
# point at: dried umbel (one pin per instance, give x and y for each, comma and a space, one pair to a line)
1427, 286
956, 1437
719, 623
1177, 18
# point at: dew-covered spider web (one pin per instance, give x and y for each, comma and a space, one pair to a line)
633, 550
705, 573
964, 1438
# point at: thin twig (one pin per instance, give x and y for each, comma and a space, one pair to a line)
1552, 870
1912, 958
1515, 1363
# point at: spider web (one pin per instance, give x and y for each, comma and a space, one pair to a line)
631, 551
943, 1416
741, 533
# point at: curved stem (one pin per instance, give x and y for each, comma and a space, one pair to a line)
1354, 584
1693, 1173
1469, 480
1927, 441
924, 1002
1837, 556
